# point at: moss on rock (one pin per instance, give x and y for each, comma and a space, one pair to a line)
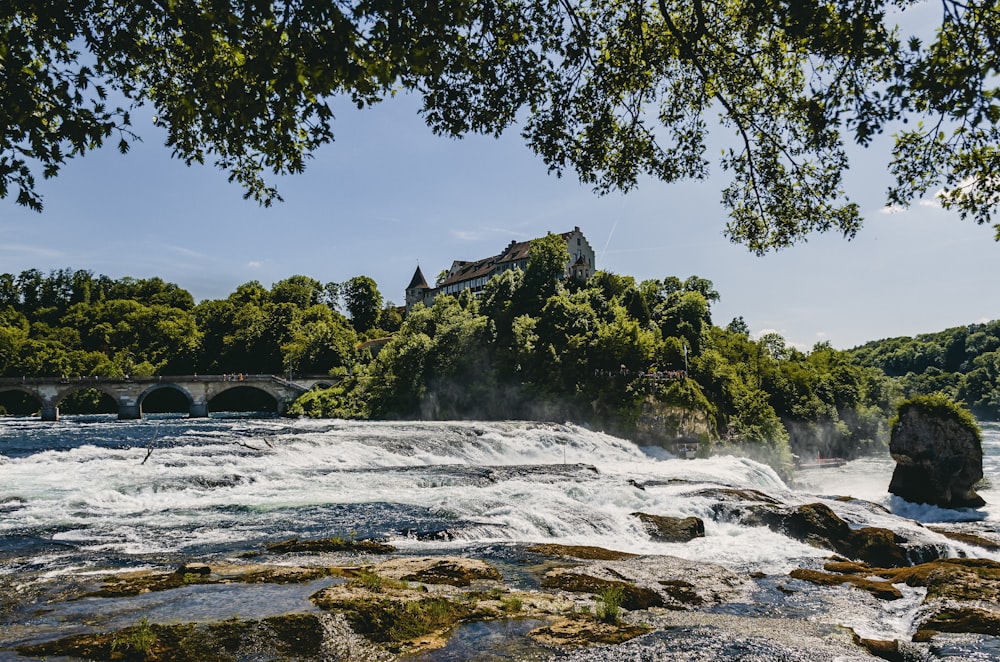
880, 589
453, 570
633, 597
964, 620
584, 552
583, 630
291, 636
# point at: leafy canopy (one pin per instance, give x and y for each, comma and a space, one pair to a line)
613, 90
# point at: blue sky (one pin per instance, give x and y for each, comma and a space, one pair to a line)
388, 195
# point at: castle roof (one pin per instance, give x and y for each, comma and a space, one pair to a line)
516, 251
418, 281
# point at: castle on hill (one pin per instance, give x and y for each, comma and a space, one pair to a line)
474, 275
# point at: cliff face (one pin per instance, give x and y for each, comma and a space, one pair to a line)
939, 459
659, 424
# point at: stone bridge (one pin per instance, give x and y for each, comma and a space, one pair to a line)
129, 393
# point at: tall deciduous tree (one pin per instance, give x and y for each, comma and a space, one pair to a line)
363, 302
614, 90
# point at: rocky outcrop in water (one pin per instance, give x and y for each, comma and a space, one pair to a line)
939, 454
818, 525
652, 581
662, 528
962, 595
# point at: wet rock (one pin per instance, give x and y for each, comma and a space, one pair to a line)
433, 535
653, 581
662, 528
970, 620
584, 631
880, 589
966, 580
816, 524
144, 582
295, 636
136, 583
194, 569
400, 623
579, 552
451, 570
283, 575
682, 592
633, 597
967, 538
732, 495
887, 650
397, 615
938, 452
962, 594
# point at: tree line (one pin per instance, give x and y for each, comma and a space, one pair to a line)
962, 363
640, 359
76, 323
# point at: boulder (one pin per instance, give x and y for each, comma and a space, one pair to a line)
662, 528
816, 524
938, 452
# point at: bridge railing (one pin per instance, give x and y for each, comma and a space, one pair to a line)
97, 379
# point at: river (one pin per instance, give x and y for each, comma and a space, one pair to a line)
95, 495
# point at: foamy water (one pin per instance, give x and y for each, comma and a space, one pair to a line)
186, 486
96, 494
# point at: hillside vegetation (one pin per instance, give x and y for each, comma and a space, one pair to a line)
962, 363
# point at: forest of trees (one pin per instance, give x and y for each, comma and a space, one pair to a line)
609, 352
73, 323
962, 363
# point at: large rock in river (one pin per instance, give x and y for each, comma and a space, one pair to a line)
672, 529
939, 454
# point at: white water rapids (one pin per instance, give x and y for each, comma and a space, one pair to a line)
97, 494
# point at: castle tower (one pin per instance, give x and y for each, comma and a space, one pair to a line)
416, 290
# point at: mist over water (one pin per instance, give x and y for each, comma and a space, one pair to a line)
94, 494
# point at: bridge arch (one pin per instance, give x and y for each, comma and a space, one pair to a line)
27, 393
186, 396
244, 397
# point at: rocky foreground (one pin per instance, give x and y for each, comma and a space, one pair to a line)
581, 603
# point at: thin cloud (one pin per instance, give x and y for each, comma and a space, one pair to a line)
892, 209
187, 252
26, 250
481, 234
255, 264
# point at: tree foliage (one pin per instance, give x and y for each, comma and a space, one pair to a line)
615, 91
962, 363
74, 323
363, 302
